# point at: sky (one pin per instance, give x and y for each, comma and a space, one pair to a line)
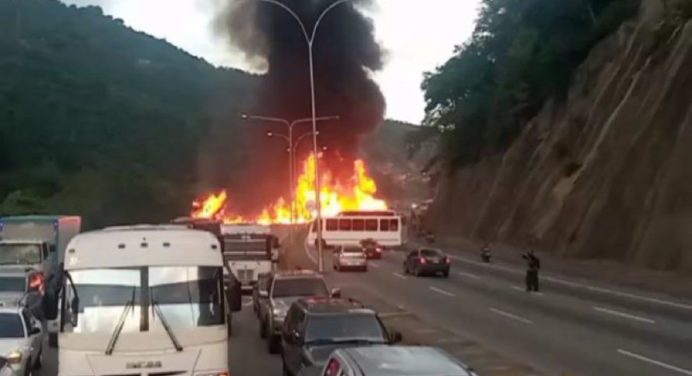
418, 35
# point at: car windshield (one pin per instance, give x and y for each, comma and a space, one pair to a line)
430, 253
188, 297
11, 326
13, 254
12, 284
299, 287
345, 327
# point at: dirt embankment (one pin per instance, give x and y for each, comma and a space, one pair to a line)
606, 174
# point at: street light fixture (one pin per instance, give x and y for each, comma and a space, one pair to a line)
310, 39
291, 156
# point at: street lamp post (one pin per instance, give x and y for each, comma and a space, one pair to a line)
310, 39
291, 155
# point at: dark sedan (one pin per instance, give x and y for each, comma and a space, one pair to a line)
427, 261
372, 249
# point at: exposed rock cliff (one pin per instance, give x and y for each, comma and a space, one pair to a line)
607, 173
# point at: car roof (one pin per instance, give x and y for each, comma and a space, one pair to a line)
14, 271
11, 309
288, 274
323, 305
405, 361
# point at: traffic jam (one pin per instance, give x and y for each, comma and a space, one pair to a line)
161, 298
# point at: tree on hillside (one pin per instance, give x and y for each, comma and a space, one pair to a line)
521, 53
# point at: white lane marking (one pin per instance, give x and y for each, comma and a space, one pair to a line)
440, 291
469, 275
583, 286
374, 264
623, 314
655, 362
511, 316
517, 288
401, 276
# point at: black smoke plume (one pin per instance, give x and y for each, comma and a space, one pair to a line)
345, 56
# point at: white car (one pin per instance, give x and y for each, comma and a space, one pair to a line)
350, 257
21, 341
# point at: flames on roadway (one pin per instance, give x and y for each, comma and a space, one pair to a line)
355, 193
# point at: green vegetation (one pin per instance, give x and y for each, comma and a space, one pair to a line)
522, 53
99, 120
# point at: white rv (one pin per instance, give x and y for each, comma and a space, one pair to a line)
143, 300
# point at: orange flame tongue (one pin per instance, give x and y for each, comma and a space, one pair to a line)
356, 194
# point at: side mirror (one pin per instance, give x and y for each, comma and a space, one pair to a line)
335, 293
396, 337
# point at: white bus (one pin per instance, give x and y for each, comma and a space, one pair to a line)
350, 228
248, 251
143, 301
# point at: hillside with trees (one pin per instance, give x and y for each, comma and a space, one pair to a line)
100, 120
566, 128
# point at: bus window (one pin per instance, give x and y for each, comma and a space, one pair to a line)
344, 225
384, 224
358, 225
332, 225
394, 225
371, 225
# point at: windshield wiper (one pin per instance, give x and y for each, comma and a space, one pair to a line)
121, 323
167, 327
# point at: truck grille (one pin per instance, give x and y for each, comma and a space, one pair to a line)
245, 275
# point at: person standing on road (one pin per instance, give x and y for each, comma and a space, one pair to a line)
533, 264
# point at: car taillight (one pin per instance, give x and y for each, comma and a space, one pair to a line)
36, 282
378, 250
447, 260
423, 260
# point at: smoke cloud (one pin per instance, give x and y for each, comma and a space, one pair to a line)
345, 56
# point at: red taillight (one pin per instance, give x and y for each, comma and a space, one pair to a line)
423, 260
379, 250
36, 282
447, 260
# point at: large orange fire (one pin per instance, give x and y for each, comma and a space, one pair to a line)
358, 193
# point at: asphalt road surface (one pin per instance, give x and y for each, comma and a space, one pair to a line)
571, 327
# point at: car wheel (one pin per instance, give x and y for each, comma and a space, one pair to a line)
445, 274
405, 268
273, 344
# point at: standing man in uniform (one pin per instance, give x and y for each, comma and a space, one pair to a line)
533, 264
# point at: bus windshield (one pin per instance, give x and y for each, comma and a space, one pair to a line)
20, 254
188, 297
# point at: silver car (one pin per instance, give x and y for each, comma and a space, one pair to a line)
19, 287
21, 340
390, 361
350, 258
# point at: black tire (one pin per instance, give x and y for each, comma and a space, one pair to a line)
445, 274
53, 340
273, 344
365, 269
405, 268
263, 329
39, 361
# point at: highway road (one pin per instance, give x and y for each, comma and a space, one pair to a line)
571, 327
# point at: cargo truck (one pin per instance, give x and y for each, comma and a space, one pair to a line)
37, 243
